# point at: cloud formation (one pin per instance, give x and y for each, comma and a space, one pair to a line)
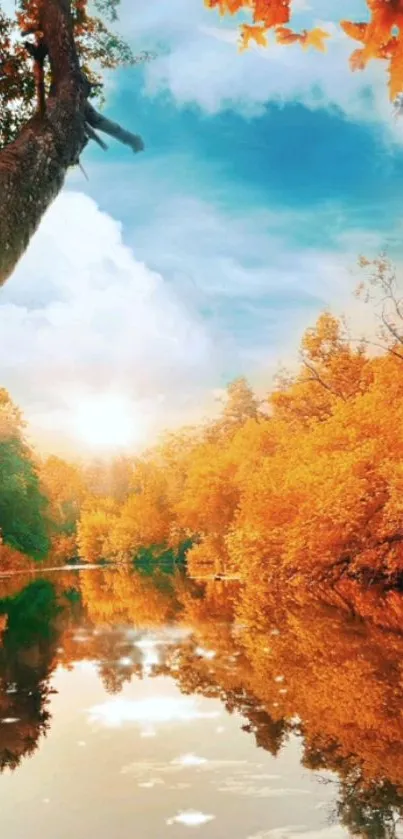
200, 63
204, 295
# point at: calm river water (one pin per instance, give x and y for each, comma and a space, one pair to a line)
149, 706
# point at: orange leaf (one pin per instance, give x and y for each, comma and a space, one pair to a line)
226, 7
286, 36
359, 59
252, 33
355, 30
396, 72
271, 14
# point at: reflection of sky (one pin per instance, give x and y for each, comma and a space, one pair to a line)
190, 818
151, 762
156, 709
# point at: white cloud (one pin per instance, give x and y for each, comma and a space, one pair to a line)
208, 70
83, 315
200, 63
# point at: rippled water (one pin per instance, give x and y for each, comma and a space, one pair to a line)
134, 707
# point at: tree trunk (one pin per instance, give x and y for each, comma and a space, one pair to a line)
34, 166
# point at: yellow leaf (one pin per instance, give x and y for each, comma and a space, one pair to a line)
316, 39
354, 30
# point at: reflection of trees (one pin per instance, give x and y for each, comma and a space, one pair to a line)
123, 597
306, 669
371, 812
26, 662
367, 808
113, 653
270, 734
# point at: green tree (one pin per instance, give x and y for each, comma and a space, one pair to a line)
23, 523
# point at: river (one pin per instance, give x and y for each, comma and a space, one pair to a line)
147, 705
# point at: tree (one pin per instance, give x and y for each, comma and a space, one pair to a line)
93, 532
42, 139
380, 35
239, 405
112, 478
27, 660
380, 286
64, 487
332, 370
23, 525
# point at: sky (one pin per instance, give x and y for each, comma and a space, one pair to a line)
163, 276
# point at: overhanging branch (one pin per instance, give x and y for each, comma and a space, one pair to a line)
97, 121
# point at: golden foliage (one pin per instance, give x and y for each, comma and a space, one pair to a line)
308, 489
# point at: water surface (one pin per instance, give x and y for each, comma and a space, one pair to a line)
134, 706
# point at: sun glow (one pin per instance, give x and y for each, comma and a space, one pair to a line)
106, 421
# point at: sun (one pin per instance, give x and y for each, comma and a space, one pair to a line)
106, 421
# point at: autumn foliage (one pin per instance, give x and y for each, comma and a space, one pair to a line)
379, 36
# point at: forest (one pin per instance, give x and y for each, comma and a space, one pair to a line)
301, 488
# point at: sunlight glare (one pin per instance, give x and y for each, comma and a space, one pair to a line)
106, 421
191, 818
157, 709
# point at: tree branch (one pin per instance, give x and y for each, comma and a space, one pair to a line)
92, 135
102, 123
316, 377
391, 329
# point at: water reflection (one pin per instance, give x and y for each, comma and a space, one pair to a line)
158, 703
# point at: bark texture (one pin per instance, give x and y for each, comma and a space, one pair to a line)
34, 166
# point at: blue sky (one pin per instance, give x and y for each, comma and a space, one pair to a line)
265, 175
